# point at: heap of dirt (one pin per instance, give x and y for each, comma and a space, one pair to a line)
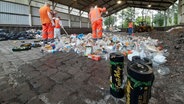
169, 89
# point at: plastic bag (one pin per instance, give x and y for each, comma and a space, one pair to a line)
134, 53
159, 58
80, 36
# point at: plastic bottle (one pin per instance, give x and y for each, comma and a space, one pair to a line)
51, 51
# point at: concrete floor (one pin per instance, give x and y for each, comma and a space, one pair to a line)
30, 77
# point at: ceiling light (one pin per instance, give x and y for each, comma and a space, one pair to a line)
119, 2
149, 5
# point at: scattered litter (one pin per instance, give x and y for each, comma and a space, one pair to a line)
23, 48
163, 70
159, 59
129, 46
13, 35
94, 57
84, 45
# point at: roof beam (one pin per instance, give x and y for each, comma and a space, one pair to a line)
89, 5
107, 2
145, 7
155, 1
76, 2
117, 9
110, 6
113, 7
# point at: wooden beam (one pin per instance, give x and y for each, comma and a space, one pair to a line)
145, 7
107, 2
117, 9
155, 1
89, 5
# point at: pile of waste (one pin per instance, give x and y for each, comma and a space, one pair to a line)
127, 45
13, 35
27, 46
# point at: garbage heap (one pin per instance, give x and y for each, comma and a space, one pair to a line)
127, 45
14, 35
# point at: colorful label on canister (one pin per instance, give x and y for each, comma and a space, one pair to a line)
116, 75
136, 95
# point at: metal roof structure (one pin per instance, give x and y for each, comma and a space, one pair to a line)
113, 7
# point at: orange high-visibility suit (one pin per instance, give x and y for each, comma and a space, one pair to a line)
96, 22
47, 28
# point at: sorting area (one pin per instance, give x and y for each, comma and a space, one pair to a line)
67, 76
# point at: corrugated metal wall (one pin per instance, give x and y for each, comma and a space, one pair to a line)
13, 8
84, 25
14, 13
13, 19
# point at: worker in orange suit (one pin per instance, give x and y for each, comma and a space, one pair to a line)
130, 27
47, 23
96, 21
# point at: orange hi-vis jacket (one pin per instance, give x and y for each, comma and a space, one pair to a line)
130, 25
95, 14
43, 14
57, 24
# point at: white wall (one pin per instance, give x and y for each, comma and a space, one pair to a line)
14, 12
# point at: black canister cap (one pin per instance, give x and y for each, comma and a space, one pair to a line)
116, 57
140, 71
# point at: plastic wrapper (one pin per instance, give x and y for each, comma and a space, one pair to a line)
163, 70
159, 58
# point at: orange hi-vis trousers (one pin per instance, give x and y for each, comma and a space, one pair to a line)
47, 31
97, 29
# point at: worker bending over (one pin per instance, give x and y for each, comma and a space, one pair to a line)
96, 21
47, 23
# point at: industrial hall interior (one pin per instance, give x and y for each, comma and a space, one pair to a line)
91, 51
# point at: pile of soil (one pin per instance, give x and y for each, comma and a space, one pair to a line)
169, 89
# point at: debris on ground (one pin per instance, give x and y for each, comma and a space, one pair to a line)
13, 35
127, 45
167, 87
174, 29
